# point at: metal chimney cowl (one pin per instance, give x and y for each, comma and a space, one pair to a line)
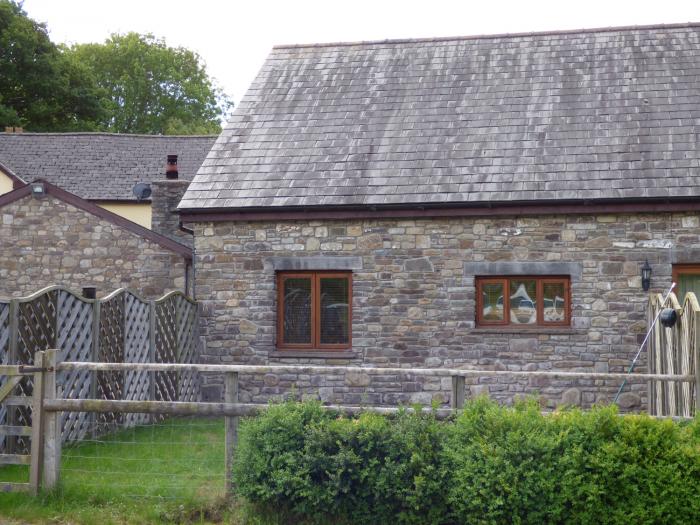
171, 172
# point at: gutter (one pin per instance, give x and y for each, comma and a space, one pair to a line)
426, 210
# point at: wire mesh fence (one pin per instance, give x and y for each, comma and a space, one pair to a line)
176, 459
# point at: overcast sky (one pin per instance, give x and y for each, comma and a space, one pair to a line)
235, 37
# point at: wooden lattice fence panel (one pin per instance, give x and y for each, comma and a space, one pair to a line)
127, 329
110, 385
36, 330
187, 322
137, 325
672, 351
166, 347
4, 358
75, 317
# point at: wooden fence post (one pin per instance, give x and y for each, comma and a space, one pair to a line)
95, 358
696, 351
37, 450
458, 393
152, 353
12, 359
51, 425
230, 396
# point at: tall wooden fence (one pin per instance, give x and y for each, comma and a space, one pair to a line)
674, 350
119, 328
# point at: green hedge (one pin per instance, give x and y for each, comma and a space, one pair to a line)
488, 465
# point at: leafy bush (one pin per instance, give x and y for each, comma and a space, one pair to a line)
520, 466
488, 465
307, 460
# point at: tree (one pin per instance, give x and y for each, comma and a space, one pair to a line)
41, 88
153, 88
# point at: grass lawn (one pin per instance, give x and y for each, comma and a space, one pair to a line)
171, 472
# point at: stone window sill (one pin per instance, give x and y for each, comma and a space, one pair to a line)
313, 354
563, 330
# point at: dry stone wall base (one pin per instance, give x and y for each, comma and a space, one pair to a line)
414, 300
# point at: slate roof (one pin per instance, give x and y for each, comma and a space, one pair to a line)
100, 166
592, 114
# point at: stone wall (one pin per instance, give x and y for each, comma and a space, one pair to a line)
414, 300
165, 197
47, 241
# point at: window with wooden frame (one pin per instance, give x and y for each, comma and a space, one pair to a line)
687, 279
523, 301
314, 310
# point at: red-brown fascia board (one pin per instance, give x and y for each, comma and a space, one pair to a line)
118, 220
445, 210
17, 182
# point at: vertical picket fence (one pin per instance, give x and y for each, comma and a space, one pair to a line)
674, 350
119, 328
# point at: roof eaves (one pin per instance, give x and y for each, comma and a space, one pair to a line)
17, 181
456, 209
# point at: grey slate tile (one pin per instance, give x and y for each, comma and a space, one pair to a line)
102, 166
574, 115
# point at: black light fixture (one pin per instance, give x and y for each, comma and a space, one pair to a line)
38, 190
646, 276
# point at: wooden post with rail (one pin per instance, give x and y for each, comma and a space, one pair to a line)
230, 396
37, 447
696, 351
458, 393
51, 424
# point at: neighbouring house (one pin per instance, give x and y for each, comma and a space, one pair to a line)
103, 168
51, 236
485, 202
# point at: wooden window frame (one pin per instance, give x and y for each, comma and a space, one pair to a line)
677, 270
689, 269
315, 277
540, 281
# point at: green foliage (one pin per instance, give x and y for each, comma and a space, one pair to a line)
132, 83
489, 465
42, 89
312, 463
152, 88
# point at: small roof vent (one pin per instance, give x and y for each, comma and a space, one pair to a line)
142, 191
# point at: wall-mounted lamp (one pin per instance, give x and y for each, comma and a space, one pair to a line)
646, 276
38, 190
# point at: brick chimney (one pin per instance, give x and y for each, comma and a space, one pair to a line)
165, 197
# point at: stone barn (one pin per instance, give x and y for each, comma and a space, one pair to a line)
480, 202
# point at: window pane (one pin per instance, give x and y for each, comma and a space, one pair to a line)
523, 300
492, 302
554, 302
297, 311
335, 310
687, 282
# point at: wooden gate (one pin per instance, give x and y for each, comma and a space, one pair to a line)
13, 376
674, 350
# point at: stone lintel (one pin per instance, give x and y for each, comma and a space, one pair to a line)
575, 270
313, 263
685, 256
